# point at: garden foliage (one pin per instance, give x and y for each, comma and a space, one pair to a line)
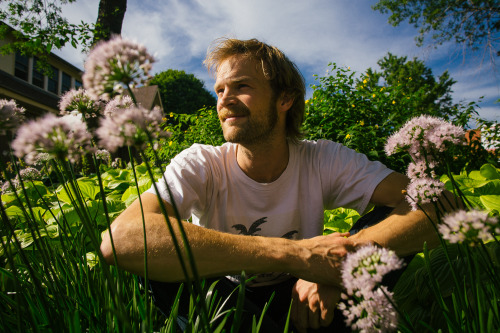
54, 278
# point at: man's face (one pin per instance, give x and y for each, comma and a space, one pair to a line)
246, 105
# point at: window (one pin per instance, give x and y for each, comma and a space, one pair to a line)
21, 67
37, 78
78, 84
65, 83
53, 80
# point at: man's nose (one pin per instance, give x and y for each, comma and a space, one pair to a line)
227, 98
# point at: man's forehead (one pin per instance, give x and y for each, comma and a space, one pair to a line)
239, 68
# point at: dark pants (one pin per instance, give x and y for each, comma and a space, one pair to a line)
256, 297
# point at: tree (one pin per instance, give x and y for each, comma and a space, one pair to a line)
181, 92
38, 27
434, 93
361, 111
110, 19
474, 24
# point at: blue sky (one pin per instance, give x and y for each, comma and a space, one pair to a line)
311, 32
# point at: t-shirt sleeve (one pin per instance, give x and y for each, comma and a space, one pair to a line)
189, 177
349, 177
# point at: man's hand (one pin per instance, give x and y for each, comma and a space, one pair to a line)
322, 257
313, 305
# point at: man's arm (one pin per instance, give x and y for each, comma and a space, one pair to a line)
216, 253
404, 231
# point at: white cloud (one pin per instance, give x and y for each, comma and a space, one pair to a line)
312, 33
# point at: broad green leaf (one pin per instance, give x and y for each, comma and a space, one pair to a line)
491, 202
492, 187
141, 169
488, 171
118, 185
476, 174
86, 186
8, 198
15, 213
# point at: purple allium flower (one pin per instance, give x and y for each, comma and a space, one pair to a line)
115, 65
135, 126
473, 227
30, 173
116, 163
102, 154
6, 187
42, 158
117, 103
423, 190
372, 312
421, 169
424, 134
61, 138
11, 115
365, 268
79, 100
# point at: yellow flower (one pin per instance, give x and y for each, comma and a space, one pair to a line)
307, 101
376, 126
373, 95
347, 136
362, 123
353, 106
382, 89
365, 80
393, 102
171, 114
170, 143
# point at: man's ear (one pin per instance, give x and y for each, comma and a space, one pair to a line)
285, 102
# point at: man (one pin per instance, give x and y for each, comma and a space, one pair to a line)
257, 202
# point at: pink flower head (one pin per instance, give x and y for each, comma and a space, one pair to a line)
30, 173
423, 190
421, 169
365, 268
473, 227
135, 126
80, 101
64, 137
118, 102
11, 115
114, 66
102, 154
372, 312
424, 135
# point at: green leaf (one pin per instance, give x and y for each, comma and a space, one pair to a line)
492, 187
491, 202
488, 171
120, 185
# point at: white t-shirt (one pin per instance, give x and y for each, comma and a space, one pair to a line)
208, 185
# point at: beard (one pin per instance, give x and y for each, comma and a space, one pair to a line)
253, 130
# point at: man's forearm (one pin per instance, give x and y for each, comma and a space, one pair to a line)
215, 253
405, 231
218, 254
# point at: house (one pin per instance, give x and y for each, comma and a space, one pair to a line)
38, 92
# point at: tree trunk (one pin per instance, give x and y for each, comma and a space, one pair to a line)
109, 19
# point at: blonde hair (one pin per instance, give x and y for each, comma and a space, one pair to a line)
283, 74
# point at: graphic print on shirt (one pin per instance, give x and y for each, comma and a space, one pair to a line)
255, 228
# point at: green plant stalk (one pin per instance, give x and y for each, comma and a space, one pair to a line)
146, 281
115, 294
196, 280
